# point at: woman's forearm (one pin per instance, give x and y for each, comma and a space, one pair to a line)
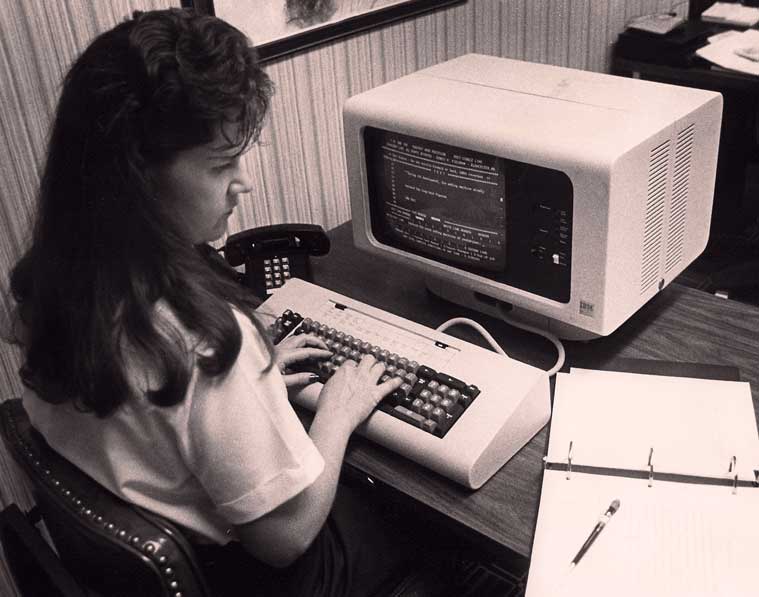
280, 537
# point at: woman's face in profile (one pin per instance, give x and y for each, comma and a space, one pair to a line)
202, 185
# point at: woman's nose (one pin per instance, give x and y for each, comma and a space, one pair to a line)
242, 182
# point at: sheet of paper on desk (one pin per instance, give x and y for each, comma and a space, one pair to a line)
613, 419
730, 52
731, 13
672, 539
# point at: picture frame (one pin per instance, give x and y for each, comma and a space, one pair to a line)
290, 28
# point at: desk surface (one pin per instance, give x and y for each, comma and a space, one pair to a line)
680, 324
679, 63
697, 73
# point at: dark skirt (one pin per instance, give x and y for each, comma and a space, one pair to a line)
361, 551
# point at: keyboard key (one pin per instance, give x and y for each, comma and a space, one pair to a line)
437, 414
425, 373
390, 401
409, 416
451, 381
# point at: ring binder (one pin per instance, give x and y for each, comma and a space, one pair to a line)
693, 503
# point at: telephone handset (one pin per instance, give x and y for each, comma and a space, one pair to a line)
274, 254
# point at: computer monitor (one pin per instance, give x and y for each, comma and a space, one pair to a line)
567, 198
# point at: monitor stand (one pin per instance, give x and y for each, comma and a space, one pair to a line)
496, 308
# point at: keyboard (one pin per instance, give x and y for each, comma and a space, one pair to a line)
462, 411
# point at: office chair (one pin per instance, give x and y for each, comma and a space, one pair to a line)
110, 547
33, 563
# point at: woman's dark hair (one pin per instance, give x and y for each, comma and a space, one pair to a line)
105, 247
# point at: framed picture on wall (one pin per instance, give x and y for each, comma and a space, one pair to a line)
281, 27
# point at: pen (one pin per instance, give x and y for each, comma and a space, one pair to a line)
605, 517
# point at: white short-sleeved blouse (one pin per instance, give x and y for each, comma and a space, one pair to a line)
232, 451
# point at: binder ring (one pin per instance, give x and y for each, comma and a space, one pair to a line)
569, 461
650, 468
734, 469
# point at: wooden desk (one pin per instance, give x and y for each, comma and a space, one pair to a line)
679, 324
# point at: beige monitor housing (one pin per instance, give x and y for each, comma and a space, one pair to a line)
634, 163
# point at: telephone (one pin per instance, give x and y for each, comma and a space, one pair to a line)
274, 254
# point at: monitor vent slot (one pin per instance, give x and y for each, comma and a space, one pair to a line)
654, 219
679, 204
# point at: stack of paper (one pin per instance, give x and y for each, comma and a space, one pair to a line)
731, 13
739, 52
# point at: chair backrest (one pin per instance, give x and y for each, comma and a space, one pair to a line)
33, 563
106, 543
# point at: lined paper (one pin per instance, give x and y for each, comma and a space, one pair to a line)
670, 539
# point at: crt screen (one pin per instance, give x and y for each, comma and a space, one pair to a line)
439, 201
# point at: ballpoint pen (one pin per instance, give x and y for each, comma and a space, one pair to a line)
605, 517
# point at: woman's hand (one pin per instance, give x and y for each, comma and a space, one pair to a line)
351, 394
295, 349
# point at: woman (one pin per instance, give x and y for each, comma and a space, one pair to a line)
144, 362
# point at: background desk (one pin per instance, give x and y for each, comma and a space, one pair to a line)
679, 324
739, 136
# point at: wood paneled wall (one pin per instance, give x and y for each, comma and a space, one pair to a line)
298, 167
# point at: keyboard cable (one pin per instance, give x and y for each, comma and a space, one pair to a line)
523, 326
